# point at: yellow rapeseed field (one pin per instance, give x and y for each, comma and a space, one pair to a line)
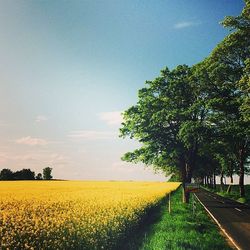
73, 214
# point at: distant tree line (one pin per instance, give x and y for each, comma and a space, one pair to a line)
25, 174
194, 122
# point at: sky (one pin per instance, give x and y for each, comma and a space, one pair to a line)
69, 68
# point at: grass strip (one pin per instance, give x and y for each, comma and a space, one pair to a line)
233, 194
182, 229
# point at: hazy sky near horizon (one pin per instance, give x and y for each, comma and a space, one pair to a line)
69, 68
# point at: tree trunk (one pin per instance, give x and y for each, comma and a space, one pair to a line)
210, 184
186, 195
185, 179
187, 173
241, 173
231, 172
221, 182
231, 178
214, 176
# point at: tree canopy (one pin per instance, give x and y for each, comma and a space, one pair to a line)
47, 173
24, 174
195, 121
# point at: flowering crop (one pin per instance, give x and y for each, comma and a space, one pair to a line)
73, 214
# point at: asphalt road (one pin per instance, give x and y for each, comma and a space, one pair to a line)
233, 217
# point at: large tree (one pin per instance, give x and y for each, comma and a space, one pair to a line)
244, 85
6, 174
24, 174
196, 120
228, 94
47, 173
168, 121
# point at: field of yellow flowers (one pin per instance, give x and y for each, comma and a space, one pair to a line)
73, 214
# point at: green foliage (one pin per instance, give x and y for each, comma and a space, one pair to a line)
6, 174
244, 85
175, 178
227, 81
179, 230
39, 176
242, 200
234, 194
24, 174
241, 22
47, 173
196, 120
167, 120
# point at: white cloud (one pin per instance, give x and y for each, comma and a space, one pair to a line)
111, 118
186, 24
41, 118
92, 134
41, 157
31, 141
57, 159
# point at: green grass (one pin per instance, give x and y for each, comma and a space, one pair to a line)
179, 230
234, 194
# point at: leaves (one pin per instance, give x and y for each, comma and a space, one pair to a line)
197, 119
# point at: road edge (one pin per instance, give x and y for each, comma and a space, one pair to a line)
220, 226
231, 199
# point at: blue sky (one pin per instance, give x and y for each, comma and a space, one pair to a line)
68, 68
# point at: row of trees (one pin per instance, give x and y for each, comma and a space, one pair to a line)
25, 174
194, 122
